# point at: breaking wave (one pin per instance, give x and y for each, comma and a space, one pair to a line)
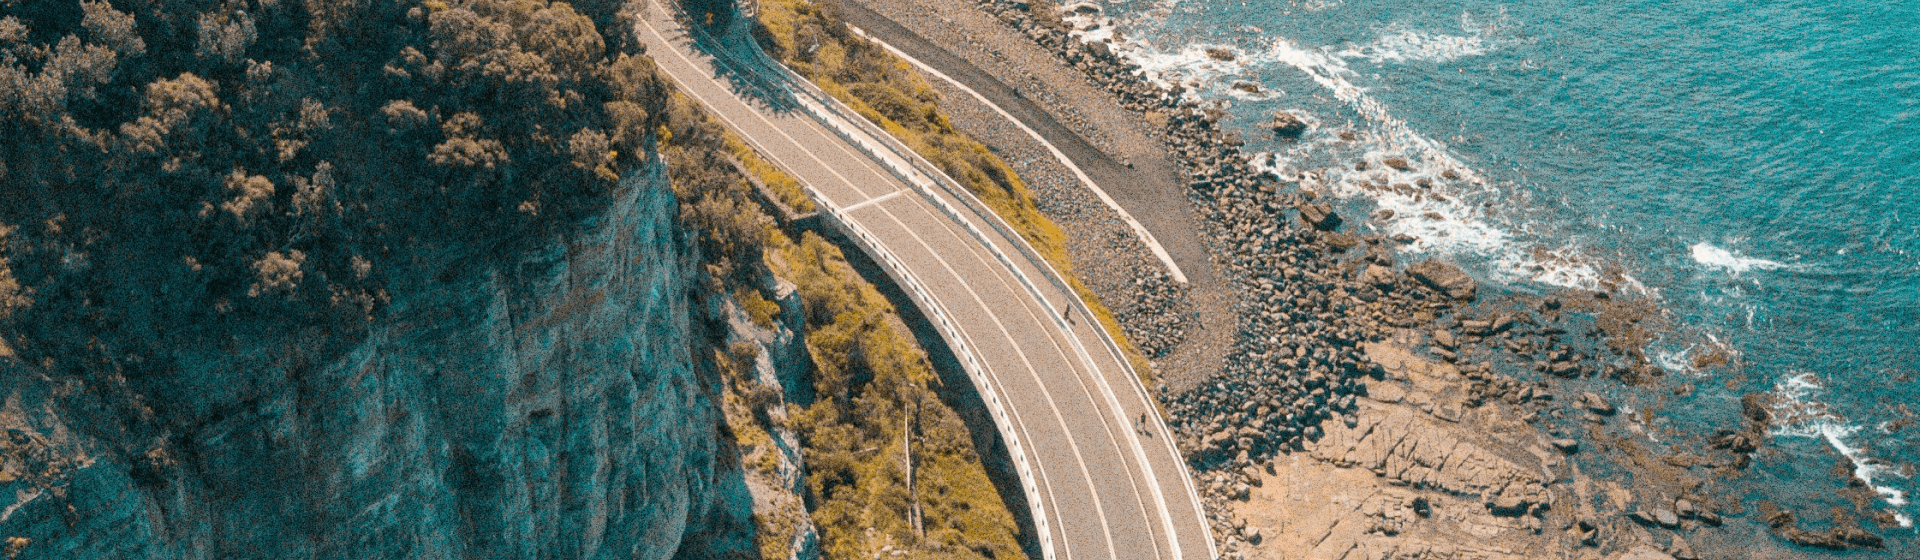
1412, 46
1429, 192
1797, 413
1709, 255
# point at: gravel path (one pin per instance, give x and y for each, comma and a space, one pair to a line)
1187, 329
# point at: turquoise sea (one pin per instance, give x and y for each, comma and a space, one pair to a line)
1754, 166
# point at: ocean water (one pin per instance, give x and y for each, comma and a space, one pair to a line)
1755, 166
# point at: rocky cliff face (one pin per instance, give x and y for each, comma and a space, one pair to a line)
539, 405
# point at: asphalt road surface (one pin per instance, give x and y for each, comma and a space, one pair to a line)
1100, 483
1152, 193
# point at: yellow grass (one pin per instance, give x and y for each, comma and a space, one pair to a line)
867, 79
876, 394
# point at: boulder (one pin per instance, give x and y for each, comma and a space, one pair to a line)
1319, 216
1681, 550
1379, 276
1379, 254
1287, 125
1596, 404
1666, 517
1445, 277
1644, 552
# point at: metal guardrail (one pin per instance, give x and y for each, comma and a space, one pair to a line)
942, 319
969, 361
922, 175
926, 169
832, 113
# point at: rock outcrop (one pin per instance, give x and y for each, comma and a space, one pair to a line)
1446, 278
536, 405
1287, 125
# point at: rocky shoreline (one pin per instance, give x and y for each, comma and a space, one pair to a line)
1318, 307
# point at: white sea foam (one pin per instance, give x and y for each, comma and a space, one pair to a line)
1440, 217
1707, 254
1414, 46
1674, 360
1796, 413
1438, 214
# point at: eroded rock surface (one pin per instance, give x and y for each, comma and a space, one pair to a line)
539, 406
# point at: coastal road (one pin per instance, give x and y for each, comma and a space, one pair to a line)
1143, 196
1099, 482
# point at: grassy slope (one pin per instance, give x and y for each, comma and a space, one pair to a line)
875, 391
886, 91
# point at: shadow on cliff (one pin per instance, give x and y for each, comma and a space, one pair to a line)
533, 399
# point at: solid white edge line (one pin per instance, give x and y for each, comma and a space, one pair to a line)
1093, 490
913, 176
1139, 230
1100, 379
1046, 541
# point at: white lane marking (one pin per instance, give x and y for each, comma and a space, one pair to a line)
1139, 230
1113, 401
770, 124
1186, 481
844, 179
1083, 368
1051, 496
925, 183
1047, 395
873, 201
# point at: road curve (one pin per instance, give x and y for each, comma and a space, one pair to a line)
1100, 484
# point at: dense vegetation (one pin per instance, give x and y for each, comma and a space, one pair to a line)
174, 170
890, 465
186, 176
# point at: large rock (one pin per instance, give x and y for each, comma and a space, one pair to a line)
1082, 9
1319, 216
1596, 404
1644, 552
1380, 276
1446, 278
1287, 125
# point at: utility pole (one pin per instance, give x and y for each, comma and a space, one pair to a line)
913, 494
